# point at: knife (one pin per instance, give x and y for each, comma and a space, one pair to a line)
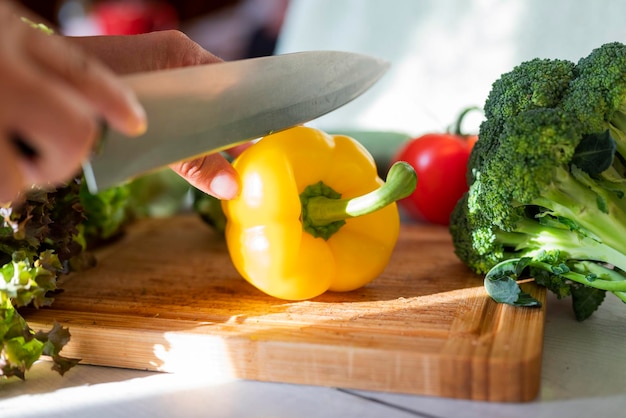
202, 109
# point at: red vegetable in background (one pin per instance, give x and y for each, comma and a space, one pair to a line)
440, 161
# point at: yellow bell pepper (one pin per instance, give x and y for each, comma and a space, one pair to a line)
312, 215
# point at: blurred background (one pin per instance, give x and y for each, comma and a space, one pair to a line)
231, 29
444, 55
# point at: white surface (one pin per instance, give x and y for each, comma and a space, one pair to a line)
584, 374
444, 55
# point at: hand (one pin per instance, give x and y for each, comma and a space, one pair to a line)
52, 98
160, 50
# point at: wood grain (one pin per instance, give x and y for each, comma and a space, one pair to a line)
166, 297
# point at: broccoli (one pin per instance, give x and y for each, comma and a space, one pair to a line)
547, 182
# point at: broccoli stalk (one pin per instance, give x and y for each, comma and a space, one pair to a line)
547, 182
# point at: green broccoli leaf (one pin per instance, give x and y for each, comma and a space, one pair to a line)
501, 283
594, 154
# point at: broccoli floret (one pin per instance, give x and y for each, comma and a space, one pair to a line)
530, 85
597, 95
547, 182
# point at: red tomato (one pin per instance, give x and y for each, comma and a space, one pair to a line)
440, 161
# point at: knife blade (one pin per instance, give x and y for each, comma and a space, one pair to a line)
197, 110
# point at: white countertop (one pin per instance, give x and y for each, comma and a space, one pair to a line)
583, 374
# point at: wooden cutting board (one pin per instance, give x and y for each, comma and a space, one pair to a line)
166, 297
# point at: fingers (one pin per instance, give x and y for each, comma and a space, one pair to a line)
56, 123
57, 94
97, 84
212, 174
53, 97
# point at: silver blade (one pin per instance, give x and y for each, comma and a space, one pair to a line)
197, 110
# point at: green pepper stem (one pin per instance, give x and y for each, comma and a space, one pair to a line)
400, 183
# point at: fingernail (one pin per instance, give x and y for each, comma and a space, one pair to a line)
141, 124
224, 186
138, 123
